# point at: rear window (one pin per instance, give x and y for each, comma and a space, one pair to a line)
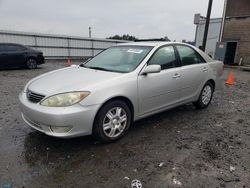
1, 48
14, 48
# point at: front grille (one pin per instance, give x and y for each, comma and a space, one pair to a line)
34, 97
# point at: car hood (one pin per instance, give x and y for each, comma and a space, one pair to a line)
70, 79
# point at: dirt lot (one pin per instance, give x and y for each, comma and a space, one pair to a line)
183, 147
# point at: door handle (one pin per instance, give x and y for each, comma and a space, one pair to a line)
176, 75
205, 69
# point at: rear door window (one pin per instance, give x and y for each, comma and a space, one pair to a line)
189, 56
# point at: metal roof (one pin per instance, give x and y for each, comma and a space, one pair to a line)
22, 33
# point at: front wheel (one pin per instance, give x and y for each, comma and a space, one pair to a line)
31, 63
112, 121
206, 96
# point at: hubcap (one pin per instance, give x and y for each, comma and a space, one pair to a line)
206, 94
114, 122
31, 64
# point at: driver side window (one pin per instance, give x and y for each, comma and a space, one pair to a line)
165, 57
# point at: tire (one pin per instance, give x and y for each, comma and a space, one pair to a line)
31, 63
112, 121
205, 97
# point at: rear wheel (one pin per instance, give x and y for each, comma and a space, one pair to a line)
206, 96
112, 121
31, 63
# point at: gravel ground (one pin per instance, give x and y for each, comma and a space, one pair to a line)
183, 147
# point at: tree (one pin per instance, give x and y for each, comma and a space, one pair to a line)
133, 38
167, 39
188, 42
123, 37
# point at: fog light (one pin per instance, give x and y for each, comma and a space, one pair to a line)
60, 129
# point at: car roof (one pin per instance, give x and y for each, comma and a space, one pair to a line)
5, 43
151, 43
159, 44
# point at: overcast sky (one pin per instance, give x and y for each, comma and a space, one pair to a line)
141, 18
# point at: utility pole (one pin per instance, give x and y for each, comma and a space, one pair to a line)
207, 25
89, 32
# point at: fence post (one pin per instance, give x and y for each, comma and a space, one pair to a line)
92, 47
68, 47
35, 40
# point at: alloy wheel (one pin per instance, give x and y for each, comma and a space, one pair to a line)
206, 94
115, 122
31, 63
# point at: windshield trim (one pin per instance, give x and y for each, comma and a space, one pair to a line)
140, 46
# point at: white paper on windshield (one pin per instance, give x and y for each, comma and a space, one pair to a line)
136, 51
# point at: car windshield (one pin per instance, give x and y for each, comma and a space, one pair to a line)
122, 59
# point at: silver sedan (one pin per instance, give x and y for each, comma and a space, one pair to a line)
122, 84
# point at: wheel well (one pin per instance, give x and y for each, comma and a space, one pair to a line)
30, 57
124, 99
212, 82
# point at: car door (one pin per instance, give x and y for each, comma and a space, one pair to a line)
15, 56
194, 73
157, 91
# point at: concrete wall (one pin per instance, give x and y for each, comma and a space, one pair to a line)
59, 46
213, 34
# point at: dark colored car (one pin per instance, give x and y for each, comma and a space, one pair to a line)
17, 55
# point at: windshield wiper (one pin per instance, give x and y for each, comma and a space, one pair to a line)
96, 68
100, 68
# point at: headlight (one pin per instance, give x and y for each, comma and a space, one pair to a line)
64, 99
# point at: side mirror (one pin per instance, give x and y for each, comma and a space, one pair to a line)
152, 69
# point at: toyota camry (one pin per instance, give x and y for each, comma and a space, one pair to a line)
120, 85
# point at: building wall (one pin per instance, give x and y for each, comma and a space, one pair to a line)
213, 34
238, 8
237, 28
59, 46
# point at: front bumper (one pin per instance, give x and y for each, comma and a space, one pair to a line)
40, 59
80, 118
